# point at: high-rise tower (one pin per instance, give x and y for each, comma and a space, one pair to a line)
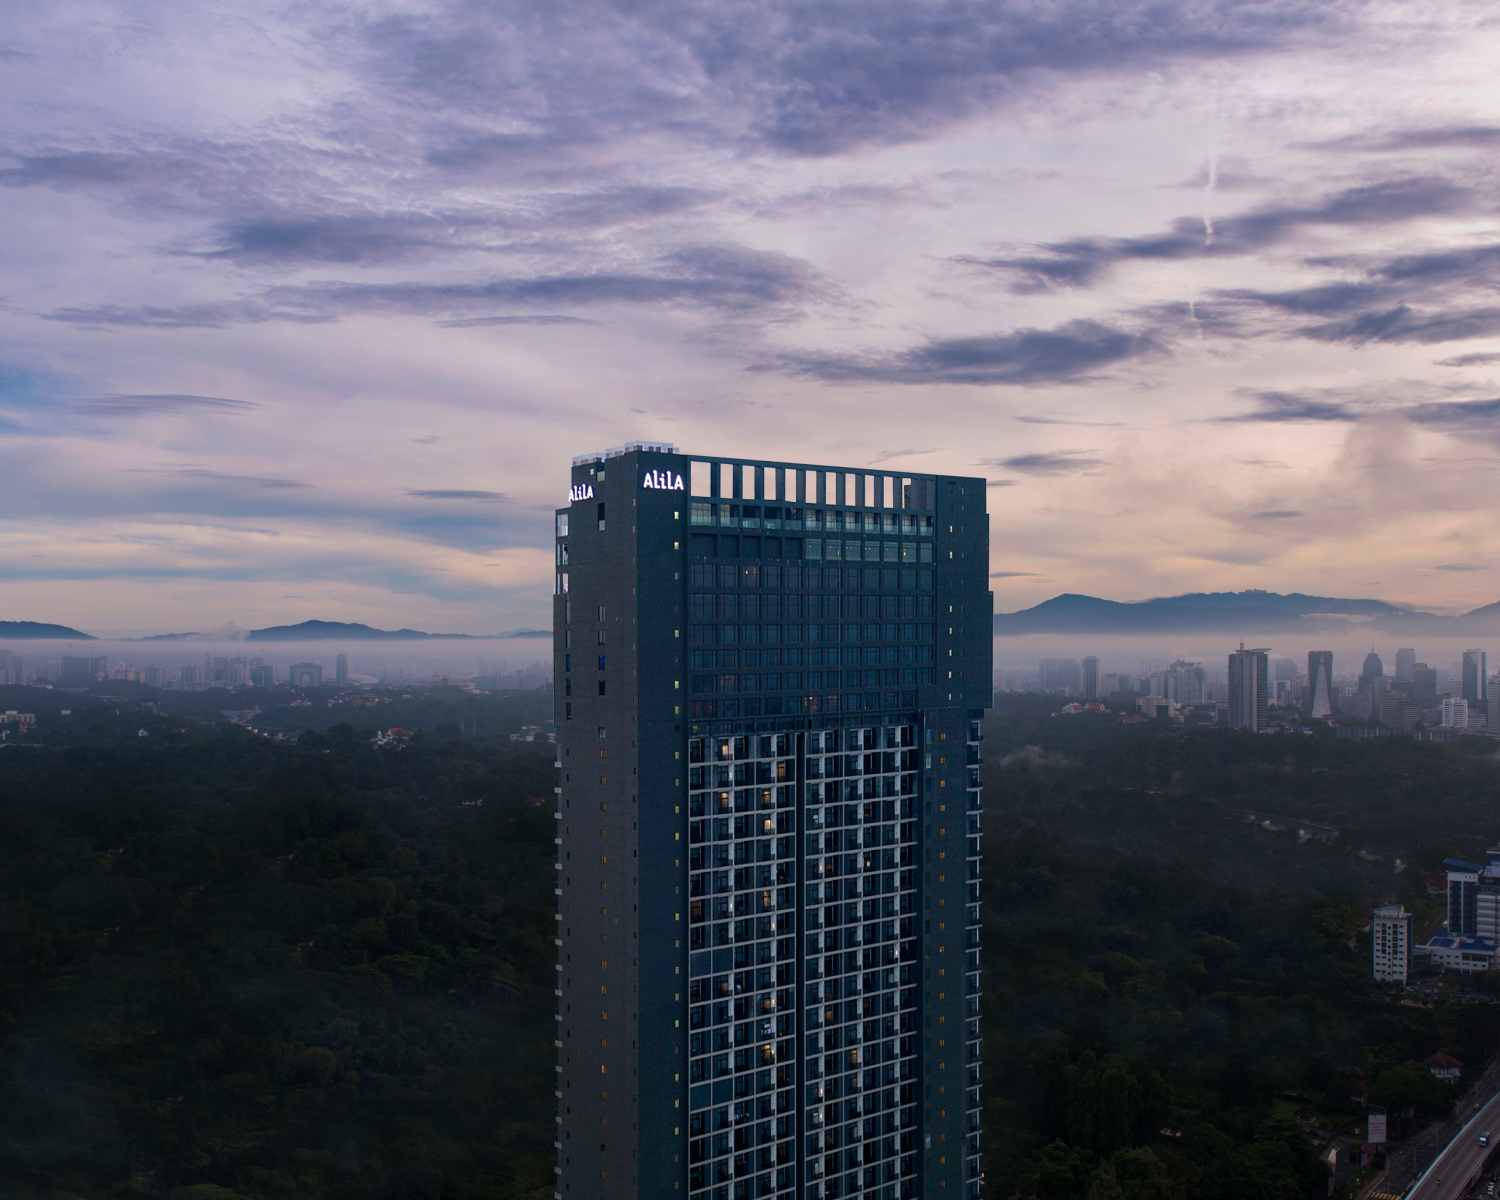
1475, 676
769, 681
1090, 678
1320, 682
1248, 689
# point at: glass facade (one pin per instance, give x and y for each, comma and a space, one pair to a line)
795, 825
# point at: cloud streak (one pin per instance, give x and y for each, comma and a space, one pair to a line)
1061, 462
1025, 356
1085, 262
152, 403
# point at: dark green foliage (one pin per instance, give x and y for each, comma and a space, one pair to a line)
280, 969
1163, 978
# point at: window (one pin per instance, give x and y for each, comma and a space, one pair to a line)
601, 687
562, 524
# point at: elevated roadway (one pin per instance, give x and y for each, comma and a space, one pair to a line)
1463, 1160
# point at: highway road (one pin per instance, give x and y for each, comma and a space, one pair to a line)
1463, 1160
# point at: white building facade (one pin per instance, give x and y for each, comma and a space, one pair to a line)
1390, 938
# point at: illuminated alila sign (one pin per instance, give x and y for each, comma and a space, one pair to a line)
581, 491
663, 481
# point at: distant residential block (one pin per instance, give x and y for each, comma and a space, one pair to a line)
1390, 940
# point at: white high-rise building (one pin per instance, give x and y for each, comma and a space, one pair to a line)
1455, 713
1390, 940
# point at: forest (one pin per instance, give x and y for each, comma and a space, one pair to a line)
1166, 982
235, 966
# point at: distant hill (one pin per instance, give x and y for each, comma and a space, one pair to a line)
344, 631
1295, 603
36, 629
1246, 613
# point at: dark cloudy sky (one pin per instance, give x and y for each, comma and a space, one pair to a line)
305, 307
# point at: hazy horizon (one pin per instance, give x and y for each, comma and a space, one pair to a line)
1125, 654
462, 660
416, 659
231, 632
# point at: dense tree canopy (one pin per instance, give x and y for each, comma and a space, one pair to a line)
279, 969
1156, 962
242, 967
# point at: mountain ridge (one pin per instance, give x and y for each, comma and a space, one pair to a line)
1237, 612
33, 630
305, 631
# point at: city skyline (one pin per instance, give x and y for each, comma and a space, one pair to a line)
1195, 334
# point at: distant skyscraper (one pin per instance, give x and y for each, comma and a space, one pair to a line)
1424, 686
84, 670
1475, 675
1456, 712
12, 669
1374, 669
1248, 689
1091, 678
1405, 660
1059, 674
341, 670
1320, 682
1185, 683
